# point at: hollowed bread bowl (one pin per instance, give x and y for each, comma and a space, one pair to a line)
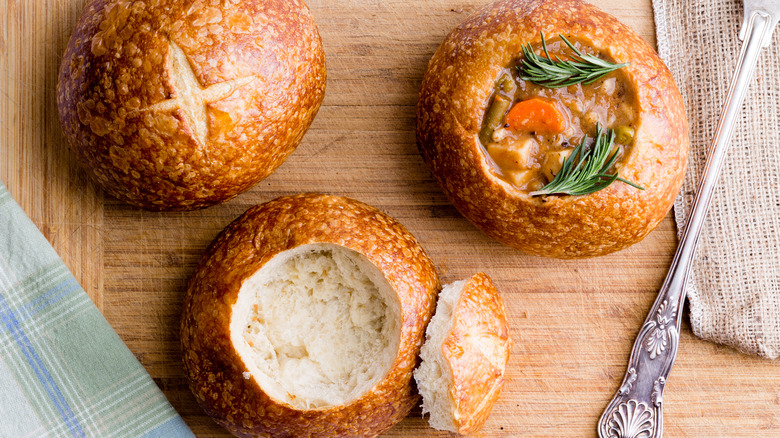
454, 98
305, 317
177, 105
465, 355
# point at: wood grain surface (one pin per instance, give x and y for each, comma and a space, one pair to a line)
573, 321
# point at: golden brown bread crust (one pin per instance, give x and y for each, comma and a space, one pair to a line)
214, 368
258, 65
477, 349
455, 91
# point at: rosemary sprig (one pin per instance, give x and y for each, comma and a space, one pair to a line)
585, 171
555, 73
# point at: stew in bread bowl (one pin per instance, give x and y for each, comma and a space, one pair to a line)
553, 128
178, 105
305, 318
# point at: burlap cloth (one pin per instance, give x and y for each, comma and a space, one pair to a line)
734, 293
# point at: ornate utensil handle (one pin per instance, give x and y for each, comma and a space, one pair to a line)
636, 410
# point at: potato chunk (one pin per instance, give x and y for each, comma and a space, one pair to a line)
513, 154
521, 178
553, 162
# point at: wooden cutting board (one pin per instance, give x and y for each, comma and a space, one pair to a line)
573, 321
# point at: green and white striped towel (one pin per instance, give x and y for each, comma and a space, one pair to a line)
64, 372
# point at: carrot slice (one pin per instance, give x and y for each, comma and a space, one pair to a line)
536, 115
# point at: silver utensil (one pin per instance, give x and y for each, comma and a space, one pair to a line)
636, 411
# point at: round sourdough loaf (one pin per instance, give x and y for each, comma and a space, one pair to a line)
454, 97
304, 319
177, 105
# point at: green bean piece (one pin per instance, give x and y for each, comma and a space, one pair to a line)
494, 117
506, 84
624, 134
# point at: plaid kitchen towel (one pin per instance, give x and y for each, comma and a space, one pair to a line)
64, 372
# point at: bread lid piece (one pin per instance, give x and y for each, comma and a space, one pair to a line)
464, 356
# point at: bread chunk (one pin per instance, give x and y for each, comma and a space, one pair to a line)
465, 355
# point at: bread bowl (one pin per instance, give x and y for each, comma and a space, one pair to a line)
464, 356
363, 322
177, 105
461, 83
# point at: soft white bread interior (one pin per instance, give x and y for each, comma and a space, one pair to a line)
317, 326
464, 356
434, 376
